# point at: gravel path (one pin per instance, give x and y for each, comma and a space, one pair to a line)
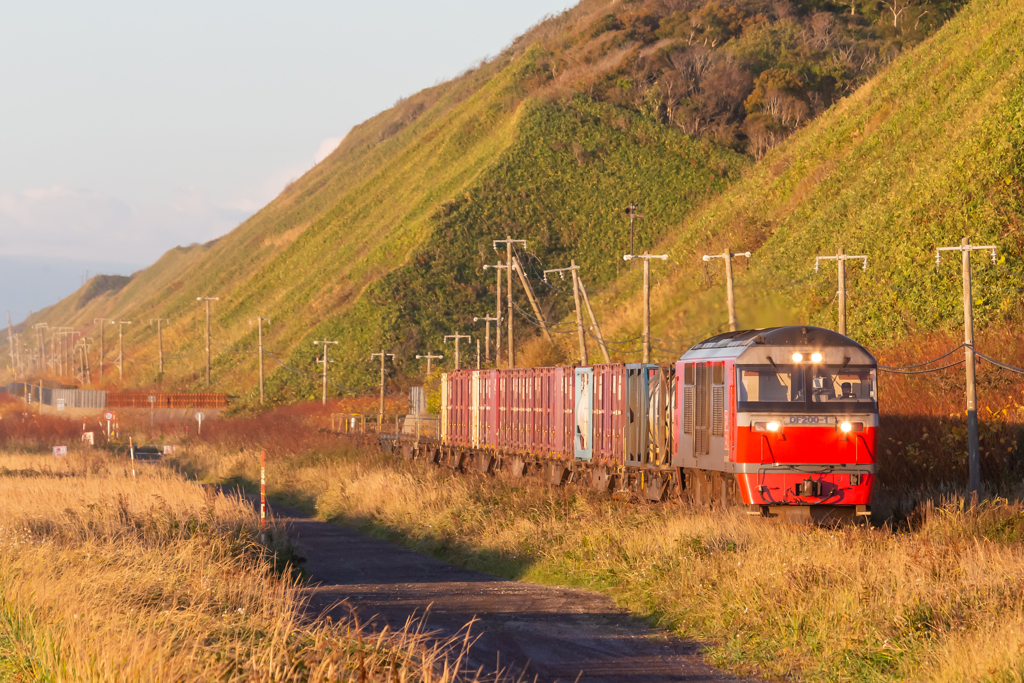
540, 633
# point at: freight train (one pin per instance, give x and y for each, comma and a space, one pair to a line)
781, 420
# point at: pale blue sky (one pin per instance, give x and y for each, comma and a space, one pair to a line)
128, 128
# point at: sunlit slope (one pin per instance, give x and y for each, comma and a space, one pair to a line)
562, 185
930, 150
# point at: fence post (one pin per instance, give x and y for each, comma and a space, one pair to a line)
263, 497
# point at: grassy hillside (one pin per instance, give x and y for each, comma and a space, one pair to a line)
925, 153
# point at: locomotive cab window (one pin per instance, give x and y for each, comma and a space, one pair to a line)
805, 388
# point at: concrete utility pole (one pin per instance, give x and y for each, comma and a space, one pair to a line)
631, 212
101, 321
730, 296
457, 337
497, 309
647, 297
160, 339
259, 322
533, 299
488, 319
508, 242
383, 356
581, 333
207, 299
86, 365
62, 334
841, 258
120, 346
973, 448
429, 358
478, 353
325, 361
41, 343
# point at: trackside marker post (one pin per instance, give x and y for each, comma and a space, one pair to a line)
131, 449
263, 497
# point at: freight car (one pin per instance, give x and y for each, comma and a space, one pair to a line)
779, 420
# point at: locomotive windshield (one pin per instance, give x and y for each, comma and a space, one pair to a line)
812, 388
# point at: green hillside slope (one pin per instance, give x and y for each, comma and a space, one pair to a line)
929, 151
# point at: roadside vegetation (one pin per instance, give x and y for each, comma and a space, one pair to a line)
106, 576
939, 598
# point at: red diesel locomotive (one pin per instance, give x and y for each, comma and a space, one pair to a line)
781, 420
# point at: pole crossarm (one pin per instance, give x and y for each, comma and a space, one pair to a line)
509, 243
840, 257
966, 247
561, 271
429, 357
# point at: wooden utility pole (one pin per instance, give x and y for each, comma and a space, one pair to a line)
457, 336
160, 339
101, 321
383, 357
532, 299
429, 358
325, 361
259, 337
10, 340
508, 242
207, 299
593, 321
730, 297
581, 333
631, 212
120, 346
841, 258
973, 447
497, 309
41, 343
647, 297
488, 319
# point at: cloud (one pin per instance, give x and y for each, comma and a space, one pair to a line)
325, 149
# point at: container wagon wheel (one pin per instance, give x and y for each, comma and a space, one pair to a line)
601, 479
518, 466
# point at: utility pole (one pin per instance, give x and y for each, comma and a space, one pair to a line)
973, 449
160, 339
478, 353
497, 309
101, 321
120, 346
429, 358
325, 361
457, 337
62, 333
533, 299
383, 356
581, 333
730, 296
41, 343
208, 299
260, 321
631, 212
508, 242
488, 319
10, 340
841, 258
86, 365
647, 297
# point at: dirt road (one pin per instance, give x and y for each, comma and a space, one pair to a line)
544, 633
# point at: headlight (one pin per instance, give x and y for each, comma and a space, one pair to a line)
846, 426
815, 357
766, 426
797, 357
772, 426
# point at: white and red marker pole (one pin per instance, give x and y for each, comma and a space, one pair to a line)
263, 497
131, 449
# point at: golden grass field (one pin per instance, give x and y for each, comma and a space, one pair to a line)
106, 577
940, 599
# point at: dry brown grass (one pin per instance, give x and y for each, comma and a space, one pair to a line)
107, 577
942, 600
